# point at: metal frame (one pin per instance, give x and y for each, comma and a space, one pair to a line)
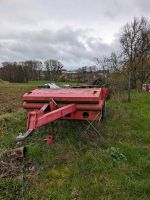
48, 105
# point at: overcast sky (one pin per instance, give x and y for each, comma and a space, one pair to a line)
72, 31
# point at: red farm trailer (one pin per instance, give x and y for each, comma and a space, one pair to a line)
47, 105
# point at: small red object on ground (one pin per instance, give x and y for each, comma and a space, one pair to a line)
49, 139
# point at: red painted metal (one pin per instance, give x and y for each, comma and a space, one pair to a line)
64, 94
49, 139
84, 106
39, 118
80, 115
47, 105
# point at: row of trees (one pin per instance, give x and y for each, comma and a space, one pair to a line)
30, 70
134, 55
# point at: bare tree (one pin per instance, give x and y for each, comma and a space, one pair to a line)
111, 63
53, 69
21, 71
135, 44
32, 68
13, 72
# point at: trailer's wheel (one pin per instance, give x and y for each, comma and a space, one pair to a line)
104, 112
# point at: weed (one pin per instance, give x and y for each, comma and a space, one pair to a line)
116, 155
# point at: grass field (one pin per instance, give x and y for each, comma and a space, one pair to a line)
77, 165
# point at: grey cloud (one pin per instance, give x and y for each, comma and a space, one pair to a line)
72, 31
72, 47
144, 6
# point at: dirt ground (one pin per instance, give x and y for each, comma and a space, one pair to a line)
11, 96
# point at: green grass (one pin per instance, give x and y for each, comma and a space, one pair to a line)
81, 166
